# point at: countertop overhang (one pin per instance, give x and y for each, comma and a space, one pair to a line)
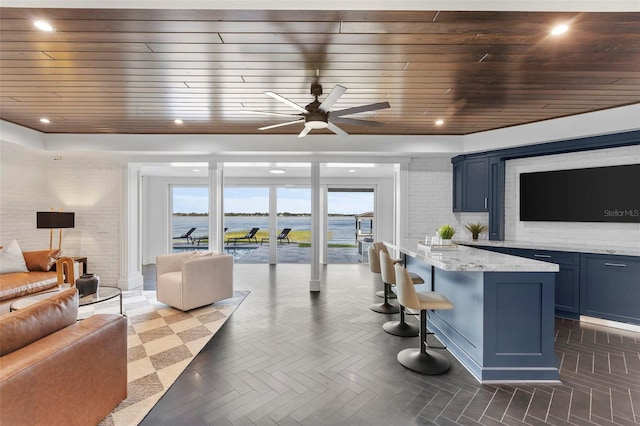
469, 259
568, 247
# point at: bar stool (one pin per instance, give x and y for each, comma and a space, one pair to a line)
374, 265
384, 307
397, 328
378, 247
419, 359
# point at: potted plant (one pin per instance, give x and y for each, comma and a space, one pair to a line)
476, 229
446, 232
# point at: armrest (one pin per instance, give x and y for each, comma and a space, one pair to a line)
170, 262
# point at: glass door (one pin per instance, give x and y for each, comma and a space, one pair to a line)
350, 223
292, 239
189, 218
246, 223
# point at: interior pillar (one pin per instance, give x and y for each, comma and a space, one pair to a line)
316, 213
130, 231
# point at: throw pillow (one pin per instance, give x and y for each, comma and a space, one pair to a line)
41, 260
11, 259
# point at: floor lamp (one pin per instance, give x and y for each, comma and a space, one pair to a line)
55, 220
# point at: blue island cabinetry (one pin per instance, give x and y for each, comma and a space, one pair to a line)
502, 325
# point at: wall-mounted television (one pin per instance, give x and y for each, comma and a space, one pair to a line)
598, 194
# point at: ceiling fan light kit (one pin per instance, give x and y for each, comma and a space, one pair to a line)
318, 115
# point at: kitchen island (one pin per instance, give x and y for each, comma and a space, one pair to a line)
502, 325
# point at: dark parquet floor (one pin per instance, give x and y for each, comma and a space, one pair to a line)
291, 357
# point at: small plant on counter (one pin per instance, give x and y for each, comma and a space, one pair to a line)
476, 229
446, 232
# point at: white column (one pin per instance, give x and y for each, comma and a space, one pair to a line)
216, 207
324, 225
273, 223
316, 212
130, 230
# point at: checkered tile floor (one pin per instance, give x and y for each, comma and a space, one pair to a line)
161, 343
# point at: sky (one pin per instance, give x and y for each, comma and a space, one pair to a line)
256, 200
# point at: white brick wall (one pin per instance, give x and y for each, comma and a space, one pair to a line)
23, 192
430, 202
603, 234
90, 186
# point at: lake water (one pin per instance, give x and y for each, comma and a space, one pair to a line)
342, 228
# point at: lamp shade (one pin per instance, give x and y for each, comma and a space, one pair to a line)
55, 220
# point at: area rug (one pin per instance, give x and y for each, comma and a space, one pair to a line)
161, 342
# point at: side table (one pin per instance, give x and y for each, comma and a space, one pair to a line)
82, 260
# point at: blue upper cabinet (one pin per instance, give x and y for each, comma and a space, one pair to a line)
471, 184
479, 178
476, 180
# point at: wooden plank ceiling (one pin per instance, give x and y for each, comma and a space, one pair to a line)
135, 71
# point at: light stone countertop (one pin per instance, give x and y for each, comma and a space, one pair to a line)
469, 259
569, 247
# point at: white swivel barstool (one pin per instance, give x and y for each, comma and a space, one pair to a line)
397, 328
419, 359
374, 263
384, 307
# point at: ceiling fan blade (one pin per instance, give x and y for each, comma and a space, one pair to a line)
279, 114
337, 130
362, 108
286, 101
332, 98
281, 124
304, 132
344, 120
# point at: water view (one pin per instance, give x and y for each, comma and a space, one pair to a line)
341, 228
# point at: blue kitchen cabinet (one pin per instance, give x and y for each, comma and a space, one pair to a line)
470, 184
610, 287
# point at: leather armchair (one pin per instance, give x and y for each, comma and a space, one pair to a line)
190, 280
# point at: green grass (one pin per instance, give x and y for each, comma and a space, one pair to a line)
303, 238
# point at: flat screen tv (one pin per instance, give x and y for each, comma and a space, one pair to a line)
598, 194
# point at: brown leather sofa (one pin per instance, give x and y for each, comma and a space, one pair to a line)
45, 272
56, 371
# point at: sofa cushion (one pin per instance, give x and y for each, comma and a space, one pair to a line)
11, 259
41, 260
18, 284
21, 328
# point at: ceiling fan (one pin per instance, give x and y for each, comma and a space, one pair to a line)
317, 115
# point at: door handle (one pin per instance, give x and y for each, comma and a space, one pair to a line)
619, 265
546, 256
485, 202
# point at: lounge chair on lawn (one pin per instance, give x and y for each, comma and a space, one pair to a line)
284, 235
251, 235
187, 236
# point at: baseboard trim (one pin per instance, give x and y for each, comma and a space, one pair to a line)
609, 323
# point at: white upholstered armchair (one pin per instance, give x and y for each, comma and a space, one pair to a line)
190, 280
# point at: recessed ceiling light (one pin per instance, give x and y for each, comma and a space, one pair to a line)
277, 171
196, 170
352, 170
560, 29
178, 121
43, 25
45, 120
439, 122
